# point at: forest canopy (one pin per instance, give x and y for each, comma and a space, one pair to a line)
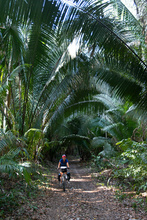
73, 78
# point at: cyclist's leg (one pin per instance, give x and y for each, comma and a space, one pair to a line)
66, 175
61, 177
61, 173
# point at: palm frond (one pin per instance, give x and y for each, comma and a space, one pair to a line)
9, 152
10, 166
75, 137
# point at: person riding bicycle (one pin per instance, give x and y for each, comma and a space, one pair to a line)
63, 162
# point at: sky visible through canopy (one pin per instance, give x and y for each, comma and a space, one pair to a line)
74, 46
130, 5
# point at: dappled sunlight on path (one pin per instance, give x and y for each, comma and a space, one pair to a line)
83, 199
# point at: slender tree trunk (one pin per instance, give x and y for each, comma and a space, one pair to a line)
19, 94
8, 94
20, 113
25, 102
14, 110
5, 110
142, 16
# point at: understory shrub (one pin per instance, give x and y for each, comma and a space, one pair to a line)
132, 163
129, 164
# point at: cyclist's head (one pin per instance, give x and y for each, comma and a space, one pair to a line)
63, 156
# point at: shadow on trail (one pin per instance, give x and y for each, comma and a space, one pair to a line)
84, 200
79, 176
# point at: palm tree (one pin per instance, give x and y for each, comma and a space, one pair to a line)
28, 41
10, 148
46, 79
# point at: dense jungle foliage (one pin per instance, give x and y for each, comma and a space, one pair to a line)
73, 80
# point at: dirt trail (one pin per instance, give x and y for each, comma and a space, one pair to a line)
82, 200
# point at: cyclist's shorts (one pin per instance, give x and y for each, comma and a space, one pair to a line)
64, 170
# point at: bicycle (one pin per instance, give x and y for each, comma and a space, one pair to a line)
64, 177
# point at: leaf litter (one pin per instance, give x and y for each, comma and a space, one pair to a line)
85, 198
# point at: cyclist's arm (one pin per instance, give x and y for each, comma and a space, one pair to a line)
67, 165
59, 164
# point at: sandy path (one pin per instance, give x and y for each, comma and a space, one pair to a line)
83, 200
